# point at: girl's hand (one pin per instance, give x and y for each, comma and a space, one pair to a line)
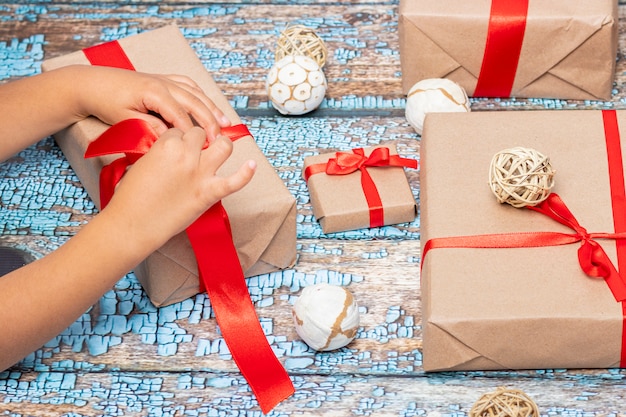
173, 184
123, 94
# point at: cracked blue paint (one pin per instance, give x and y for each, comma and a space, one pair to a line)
21, 57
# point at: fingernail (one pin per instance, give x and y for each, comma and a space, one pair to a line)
225, 120
252, 164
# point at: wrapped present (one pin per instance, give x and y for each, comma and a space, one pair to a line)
518, 288
262, 215
250, 232
501, 48
360, 188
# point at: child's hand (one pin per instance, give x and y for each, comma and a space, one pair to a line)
113, 95
173, 184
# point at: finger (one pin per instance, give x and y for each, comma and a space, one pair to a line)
193, 88
170, 109
172, 133
195, 138
222, 187
241, 178
216, 154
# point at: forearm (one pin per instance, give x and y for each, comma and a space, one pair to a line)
35, 107
40, 300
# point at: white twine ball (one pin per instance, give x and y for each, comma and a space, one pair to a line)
296, 85
326, 316
434, 95
521, 176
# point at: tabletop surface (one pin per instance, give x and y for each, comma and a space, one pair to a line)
126, 357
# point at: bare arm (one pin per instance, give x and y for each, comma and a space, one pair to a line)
160, 195
35, 107
41, 299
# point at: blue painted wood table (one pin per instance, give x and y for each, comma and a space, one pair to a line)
125, 357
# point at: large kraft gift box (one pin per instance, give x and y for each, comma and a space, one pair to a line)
339, 201
520, 307
568, 49
262, 215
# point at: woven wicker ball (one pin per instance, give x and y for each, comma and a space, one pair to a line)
300, 40
505, 403
521, 176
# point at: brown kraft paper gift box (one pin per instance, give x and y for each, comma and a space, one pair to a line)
339, 203
515, 308
261, 215
568, 51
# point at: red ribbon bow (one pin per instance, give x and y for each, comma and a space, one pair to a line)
591, 256
346, 163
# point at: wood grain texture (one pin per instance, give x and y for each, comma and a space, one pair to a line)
124, 357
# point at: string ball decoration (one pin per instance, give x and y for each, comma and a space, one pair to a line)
431, 95
505, 403
326, 317
296, 83
521, 176
301, 40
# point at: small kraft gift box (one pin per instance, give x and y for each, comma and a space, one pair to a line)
360, 188
250, 232
518, 288
558, 49
262, 215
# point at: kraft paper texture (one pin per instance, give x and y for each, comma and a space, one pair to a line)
569, 48
339, 202
526, 308
262, 215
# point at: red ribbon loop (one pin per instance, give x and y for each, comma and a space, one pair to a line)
133, 138
505, 35
348, 162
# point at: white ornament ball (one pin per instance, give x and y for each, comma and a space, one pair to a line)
434, 95
296, 85
326, 316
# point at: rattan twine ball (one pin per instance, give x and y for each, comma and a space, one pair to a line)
301, 40
521, 176
505, 403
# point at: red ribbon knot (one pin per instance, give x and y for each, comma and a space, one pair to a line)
591, 256
346, 163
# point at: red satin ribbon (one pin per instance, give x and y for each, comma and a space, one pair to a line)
210, 235
591, 256
618, 199
218, 264
108, 54
505, 35
346, 163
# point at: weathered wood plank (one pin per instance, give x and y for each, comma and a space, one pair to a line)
43, 203
196, 393
126, 357
236, 42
